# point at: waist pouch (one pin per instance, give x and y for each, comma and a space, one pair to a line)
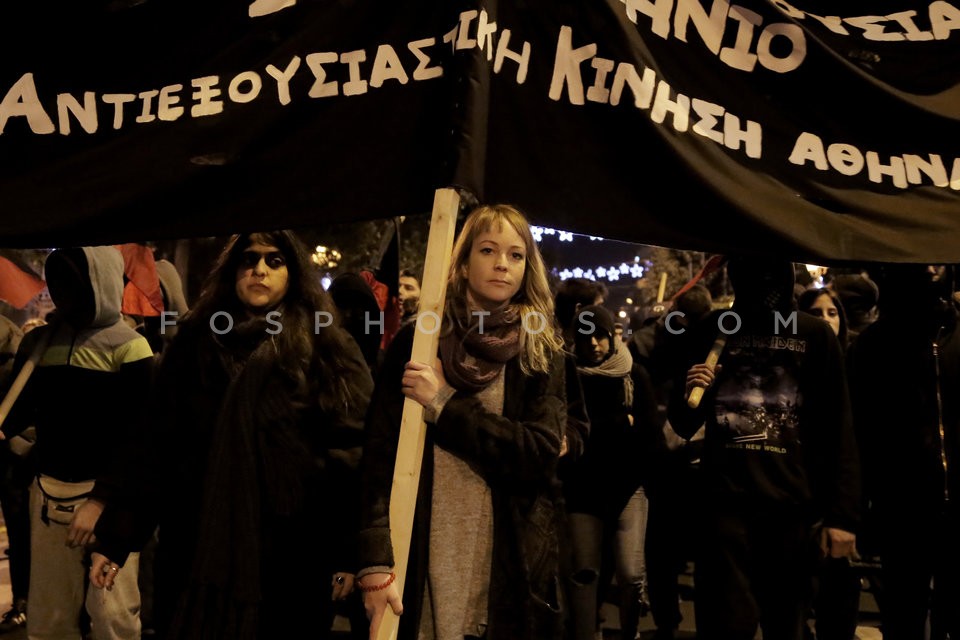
61, 499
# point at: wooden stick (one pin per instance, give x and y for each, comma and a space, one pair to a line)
663, 287
25, 372
406, 474
697, 394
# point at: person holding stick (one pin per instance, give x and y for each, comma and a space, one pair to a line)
252, 468
780, 469
86, 399
484, 559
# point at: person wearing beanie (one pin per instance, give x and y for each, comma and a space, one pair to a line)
607, 509
859, 296
601, 320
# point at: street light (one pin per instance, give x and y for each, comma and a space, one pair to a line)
326, 257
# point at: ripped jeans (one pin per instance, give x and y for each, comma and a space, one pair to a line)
623, 541
586, 541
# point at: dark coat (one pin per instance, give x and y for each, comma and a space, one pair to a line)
315, 448
617, 453
904, 389
517, 455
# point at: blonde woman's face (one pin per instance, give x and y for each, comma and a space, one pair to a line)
495, 268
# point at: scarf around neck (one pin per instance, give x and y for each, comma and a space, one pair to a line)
618, 365
488, 350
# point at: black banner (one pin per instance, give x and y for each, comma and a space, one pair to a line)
766, 127
170, 118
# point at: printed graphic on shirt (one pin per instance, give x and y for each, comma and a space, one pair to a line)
758, 397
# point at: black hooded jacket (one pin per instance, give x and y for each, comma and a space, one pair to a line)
904, 370
778, 420
87, 397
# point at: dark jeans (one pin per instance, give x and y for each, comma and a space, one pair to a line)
16, 475
670, 540
753, 568
147, 581
918, 548
837, 603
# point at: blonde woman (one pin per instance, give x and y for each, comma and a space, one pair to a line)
484, 561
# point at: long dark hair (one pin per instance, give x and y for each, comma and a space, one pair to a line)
808, 298
303, 351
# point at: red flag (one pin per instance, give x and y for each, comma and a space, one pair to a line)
388, 304
17, 286
142, 295
388, 273
713, 264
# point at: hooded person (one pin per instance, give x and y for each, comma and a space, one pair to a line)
160, 330
761, 284
360, 313
174, 300
904, 369
860, 297
85, 399
780, 468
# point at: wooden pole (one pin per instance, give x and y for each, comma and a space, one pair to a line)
696, 395
663, 287
406, 474
25, 372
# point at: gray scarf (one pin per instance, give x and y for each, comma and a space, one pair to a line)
619, 364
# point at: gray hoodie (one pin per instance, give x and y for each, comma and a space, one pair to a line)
87, 395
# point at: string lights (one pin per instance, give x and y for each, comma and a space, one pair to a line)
610, 273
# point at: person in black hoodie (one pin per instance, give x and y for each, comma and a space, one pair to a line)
904, 372
86, 400
359, 314
780, 465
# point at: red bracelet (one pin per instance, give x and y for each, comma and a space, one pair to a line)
380, 587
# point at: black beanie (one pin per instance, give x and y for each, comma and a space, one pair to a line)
601, 319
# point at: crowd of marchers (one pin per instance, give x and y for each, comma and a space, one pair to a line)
189, 482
